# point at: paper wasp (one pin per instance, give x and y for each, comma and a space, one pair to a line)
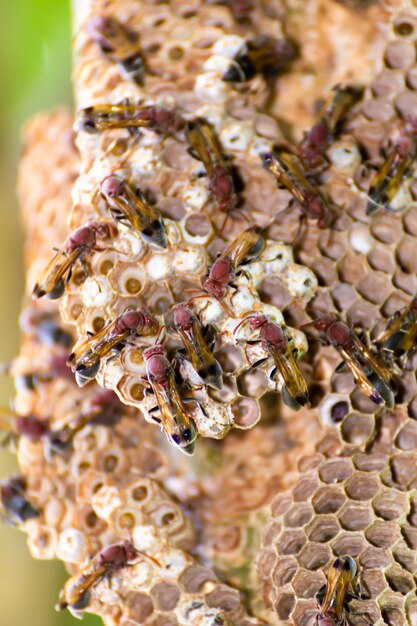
289, 174
371, 375
129, 206
79, 245
76, 592
276, 344
175, 420
200, 355
119, 44
86, 357
340, 579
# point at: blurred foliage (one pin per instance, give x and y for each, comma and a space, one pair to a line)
35, 38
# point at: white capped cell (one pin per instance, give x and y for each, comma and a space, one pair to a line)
344, 154
277, 253
191, 260
96, 291
141, 574
216, 421
209, 309
208, 87
298, 340
173, 563
360, 238
129, 243
196, 194
301, 282
243, 300
159, 266
146, 539
236, 136
71, 546
230, 46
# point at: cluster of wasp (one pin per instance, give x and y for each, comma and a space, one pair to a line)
295, 169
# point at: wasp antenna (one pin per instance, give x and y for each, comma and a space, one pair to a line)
242, 322
159, 334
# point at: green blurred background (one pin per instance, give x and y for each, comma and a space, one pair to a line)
35, 39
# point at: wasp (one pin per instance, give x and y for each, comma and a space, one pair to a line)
105, 409
56, 367
205, 147
79, 245
395, 168
76, 592
128, 206
340, 579
373, 377
133, 117
246, 247
28, 426
289, 174
119, 44
265, 55
317, 140
399, 337
175, 420
275, 343
239, 8
86, 357
44, 329
199, 353
17, 507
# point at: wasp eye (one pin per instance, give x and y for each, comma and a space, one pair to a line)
187, 434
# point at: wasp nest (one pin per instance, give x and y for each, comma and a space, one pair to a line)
181, 297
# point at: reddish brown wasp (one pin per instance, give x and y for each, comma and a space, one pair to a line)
17, 507
198, 351
79, 245
396, 167
28, 426
373, 376
86, 357
239, 8
246, 247
205, 147
76, 592
399, 337
129, 206
119, 44
340, 579
175, 420
289, 174
316, 142
105, 409
265, 55
44, 329
276, 344
133, 117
